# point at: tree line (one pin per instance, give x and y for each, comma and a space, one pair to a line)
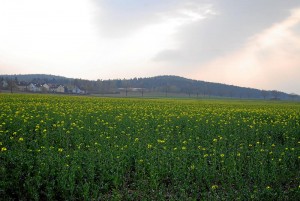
159, 84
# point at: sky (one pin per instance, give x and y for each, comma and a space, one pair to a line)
250, 43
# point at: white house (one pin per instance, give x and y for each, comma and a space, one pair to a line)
34, 88
60, 89
76, 90
46, 87
22, 87
4, 84
52, 88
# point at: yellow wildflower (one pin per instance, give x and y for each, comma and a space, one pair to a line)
214, 187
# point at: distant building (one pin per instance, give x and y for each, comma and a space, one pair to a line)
45, 87
33, 88
60, 89
52, 88
131, 89
77, 90
4, 84
22, 86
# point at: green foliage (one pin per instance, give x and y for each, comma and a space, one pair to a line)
168, 86
83, 148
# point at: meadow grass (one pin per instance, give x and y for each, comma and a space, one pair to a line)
89, 148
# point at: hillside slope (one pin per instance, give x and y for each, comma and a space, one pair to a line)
163, 84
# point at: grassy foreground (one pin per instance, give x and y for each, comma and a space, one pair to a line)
83, 148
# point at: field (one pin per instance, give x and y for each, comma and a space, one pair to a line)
88, 148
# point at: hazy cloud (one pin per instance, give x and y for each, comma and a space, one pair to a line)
119, 18
234, 23
246, 42
268, 60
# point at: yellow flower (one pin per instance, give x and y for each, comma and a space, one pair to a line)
60, 149
222, 155
214, 187
21, 139
161, 141
3, 149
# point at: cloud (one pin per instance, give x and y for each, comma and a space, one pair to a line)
227, 31
54, 37
137, 45
43, 31
119, 19
269, 59
117, 39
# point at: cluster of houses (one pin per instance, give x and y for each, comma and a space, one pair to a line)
44, 88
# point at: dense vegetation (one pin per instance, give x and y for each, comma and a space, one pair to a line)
145, 86
83, 148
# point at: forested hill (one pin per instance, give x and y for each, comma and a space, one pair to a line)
159, 84
36, 78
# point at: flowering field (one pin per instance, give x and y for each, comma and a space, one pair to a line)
85, 148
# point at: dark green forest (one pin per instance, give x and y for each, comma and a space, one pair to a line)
164, 85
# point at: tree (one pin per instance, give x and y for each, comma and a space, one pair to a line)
11, 84
293, 96
264, 94
275, 94
167, 89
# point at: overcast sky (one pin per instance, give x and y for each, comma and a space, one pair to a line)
252, 43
